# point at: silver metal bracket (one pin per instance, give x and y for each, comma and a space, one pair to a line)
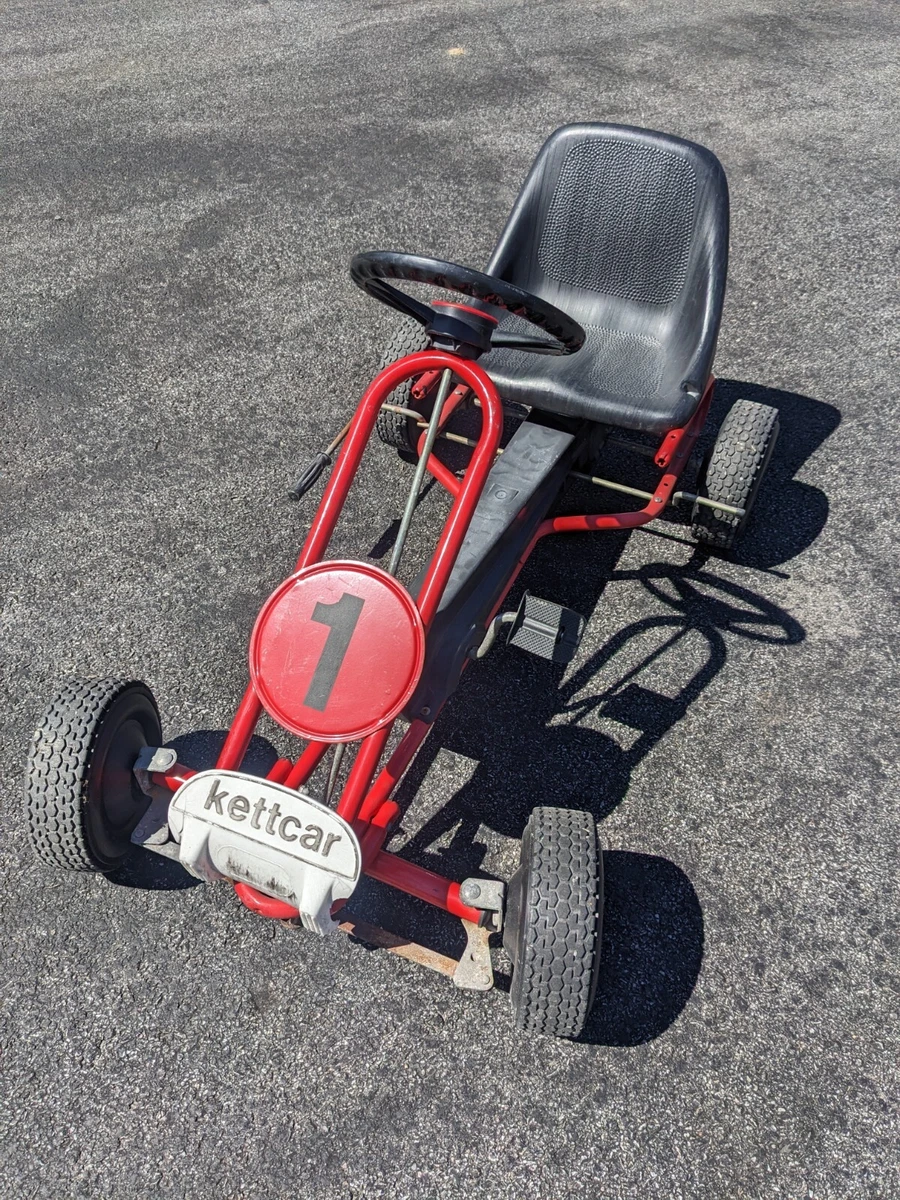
152, 831
475, 971
490, 636
153, 758
488, 895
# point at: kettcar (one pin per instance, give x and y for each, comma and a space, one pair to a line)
596, 321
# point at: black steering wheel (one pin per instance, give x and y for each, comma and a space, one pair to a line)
369, 271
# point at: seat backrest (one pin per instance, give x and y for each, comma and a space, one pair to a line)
627, 229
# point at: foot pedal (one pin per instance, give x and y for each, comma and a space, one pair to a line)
547, 629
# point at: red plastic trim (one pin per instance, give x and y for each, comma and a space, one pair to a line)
264, 906
466, 308
372, 576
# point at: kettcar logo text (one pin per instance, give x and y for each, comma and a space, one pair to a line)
287, 828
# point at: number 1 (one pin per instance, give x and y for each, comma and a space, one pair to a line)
341, 617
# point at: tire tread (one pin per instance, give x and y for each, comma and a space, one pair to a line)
59, 760
392, 429
553, 990
733, 475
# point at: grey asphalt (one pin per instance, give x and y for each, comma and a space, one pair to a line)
183, 187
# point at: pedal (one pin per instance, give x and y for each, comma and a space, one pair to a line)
547, 629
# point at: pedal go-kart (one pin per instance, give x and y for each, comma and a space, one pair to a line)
598, 315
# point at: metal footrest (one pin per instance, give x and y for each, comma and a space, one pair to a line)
547, 629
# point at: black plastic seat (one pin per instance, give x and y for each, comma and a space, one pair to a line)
627, 231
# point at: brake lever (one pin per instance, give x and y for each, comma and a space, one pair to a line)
322, 460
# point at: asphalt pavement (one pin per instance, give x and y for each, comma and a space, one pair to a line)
183, 188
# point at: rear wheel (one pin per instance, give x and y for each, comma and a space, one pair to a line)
402, 432
393, 428
734, 471
553, 923
82, 800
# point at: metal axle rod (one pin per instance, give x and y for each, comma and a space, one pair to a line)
611, 485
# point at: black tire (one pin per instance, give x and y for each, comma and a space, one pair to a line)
394, 430
554, 919
82, 800
734, 471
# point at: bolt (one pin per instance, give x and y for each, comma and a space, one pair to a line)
426, 711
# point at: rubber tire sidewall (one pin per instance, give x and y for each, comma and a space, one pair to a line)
132, 711
402, 433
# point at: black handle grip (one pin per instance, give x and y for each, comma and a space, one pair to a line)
309, 476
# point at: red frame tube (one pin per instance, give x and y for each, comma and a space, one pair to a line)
306, 764
417, 881
364, 803
393, 772
364, 767
242, 729
442, 474
347, 465
674, 452
280, 770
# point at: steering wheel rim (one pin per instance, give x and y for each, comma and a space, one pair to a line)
372, 270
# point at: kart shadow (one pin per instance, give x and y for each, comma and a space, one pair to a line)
523, 727
522, 723
652, 949
652, 944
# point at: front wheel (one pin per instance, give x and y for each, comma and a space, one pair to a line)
82, 800
553, 925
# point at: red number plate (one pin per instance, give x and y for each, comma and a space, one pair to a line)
337, 651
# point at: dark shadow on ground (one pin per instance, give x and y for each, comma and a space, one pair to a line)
152, 873
652, 949
535, 749
526, 756
789, 514
201, 748
651, 954
524, 725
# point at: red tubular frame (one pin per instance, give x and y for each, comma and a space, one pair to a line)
366, 799
673, 453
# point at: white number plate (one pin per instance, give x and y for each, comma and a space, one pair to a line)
235, 826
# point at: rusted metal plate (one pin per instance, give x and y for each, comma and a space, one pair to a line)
402, 947
474, 971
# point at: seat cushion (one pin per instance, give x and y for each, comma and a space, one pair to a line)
619, 377
626, 230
